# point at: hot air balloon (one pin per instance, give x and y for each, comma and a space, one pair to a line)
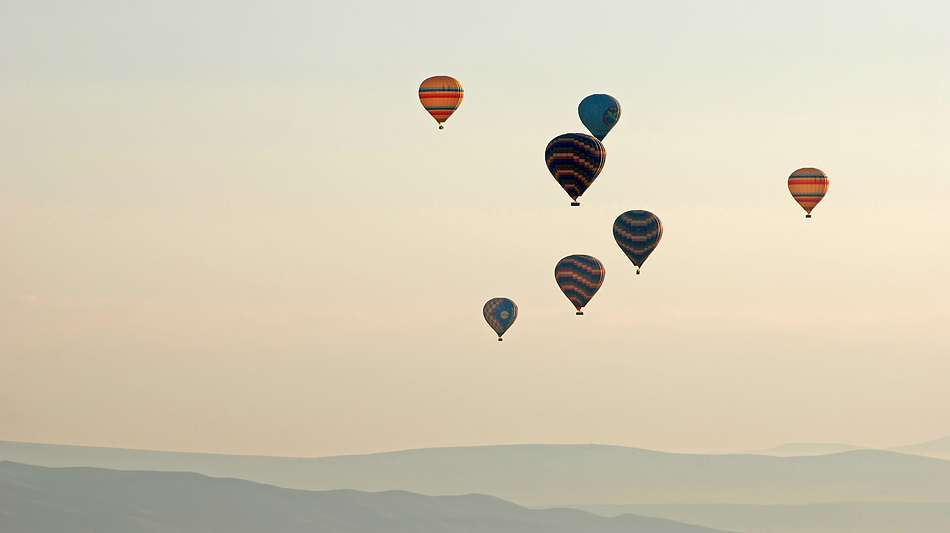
599, 113
808, 186
500, 313
579, 277
441, 96
575, 160
638, 233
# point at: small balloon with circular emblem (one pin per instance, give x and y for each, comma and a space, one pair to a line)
500, 313
599, 113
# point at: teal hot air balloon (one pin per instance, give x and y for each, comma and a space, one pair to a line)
579, 277
599, 113
638, 233
500, 313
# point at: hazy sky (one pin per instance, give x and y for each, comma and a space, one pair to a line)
232, 227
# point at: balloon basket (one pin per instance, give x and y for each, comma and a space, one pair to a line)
499, 339
575, 204
808, 215
579, 313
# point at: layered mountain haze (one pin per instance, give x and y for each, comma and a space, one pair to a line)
37, 499
552, 475
939, 448
831, 517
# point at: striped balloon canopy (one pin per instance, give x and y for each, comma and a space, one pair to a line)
579, 277
441, 96
808, 186
599, 113
575, 160
638, 233
500, 313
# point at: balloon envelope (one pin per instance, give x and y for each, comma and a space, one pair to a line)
638, 233
500, 313
575, 160
599, 113
808, 186
441, 96
579, 277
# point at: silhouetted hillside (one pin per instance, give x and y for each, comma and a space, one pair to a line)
833, 517
37, 499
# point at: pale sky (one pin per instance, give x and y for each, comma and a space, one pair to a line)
231, 226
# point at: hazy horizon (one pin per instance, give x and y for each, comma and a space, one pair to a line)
794, 452
232, 228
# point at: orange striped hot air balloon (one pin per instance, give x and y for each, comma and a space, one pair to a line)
441, 96
808, 186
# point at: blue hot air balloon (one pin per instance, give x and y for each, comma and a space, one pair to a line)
500, 313
600, 113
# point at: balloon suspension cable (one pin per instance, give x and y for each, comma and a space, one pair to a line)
808, 215
575, 204
579, 313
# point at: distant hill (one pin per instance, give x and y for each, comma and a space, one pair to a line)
939, 448
73, 500
833, 517
799, 449
551, 475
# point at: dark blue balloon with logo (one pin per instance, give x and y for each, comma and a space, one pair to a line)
599, 113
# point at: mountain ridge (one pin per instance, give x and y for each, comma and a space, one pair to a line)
37, 499
937, 448
550, 475
831, 517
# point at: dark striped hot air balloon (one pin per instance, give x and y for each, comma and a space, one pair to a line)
638, 233
441, 96
579, 277
808, 186
575, 160
500, 313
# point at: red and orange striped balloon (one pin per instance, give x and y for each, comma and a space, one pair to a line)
808, 186
441, 96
